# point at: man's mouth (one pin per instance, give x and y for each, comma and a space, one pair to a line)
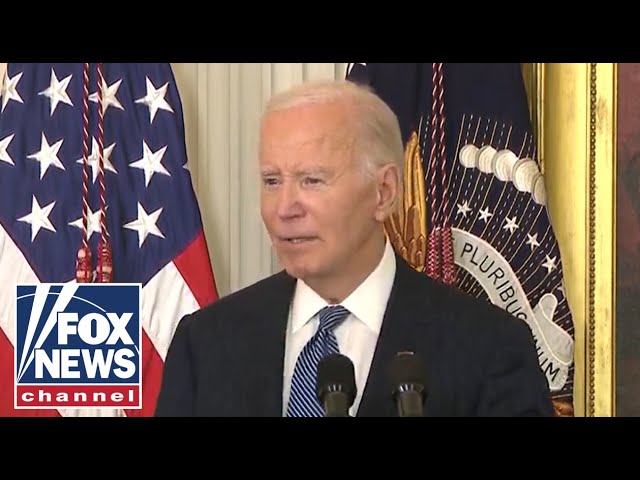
297, 240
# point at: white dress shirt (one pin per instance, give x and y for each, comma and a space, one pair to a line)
357, 335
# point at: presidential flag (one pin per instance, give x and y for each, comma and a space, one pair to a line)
474, 210
95, 187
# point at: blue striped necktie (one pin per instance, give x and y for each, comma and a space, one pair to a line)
303, 401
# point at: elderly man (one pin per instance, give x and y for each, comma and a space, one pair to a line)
331, 162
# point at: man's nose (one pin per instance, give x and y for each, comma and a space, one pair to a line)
289, 201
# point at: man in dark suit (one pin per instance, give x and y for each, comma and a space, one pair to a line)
331, 164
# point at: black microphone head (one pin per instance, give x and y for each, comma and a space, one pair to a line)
407, 372
336, 373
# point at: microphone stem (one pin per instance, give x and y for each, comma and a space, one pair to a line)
336, 404
410, 404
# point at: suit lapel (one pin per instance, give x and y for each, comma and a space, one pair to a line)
268, 336
404, 328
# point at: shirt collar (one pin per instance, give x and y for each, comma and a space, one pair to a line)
367, 302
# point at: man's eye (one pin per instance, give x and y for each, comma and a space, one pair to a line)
269, 181
312, 181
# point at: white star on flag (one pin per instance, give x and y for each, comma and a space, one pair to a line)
4, 145
93, 222
155, 99
92, 159
39, 217
145, 224
533, 241
57, 91
485, 215
463, 208
8, 91
109, 93
151, 162
511, 224
48, 155
550, 263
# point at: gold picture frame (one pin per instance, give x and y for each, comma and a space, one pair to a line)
574, 113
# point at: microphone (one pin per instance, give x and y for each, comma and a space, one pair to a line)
336, 385
408, 379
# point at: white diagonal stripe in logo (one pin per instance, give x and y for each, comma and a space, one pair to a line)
39, 299
64, 297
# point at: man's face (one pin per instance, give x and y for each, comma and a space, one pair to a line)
316, 202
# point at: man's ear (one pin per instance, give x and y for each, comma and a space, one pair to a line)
387, 184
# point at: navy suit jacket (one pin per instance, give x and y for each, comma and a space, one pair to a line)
227, 359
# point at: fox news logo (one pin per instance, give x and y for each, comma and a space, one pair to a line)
78, 346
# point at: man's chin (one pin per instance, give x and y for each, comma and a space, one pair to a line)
301, 272
296, 271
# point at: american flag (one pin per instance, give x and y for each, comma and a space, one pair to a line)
49, 122
472, 167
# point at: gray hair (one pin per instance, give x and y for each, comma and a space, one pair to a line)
378, 136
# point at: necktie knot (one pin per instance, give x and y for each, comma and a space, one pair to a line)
303, 401
331, 317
